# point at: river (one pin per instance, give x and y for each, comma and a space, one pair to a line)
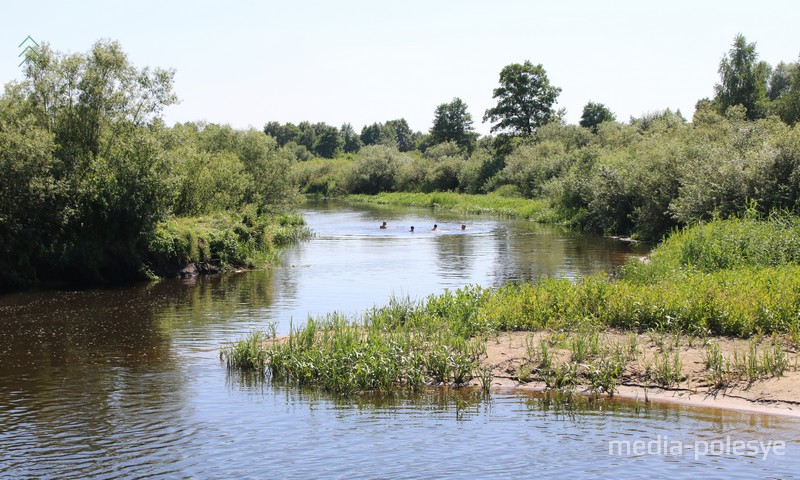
127, 383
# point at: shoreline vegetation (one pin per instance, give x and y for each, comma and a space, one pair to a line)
95, 189
714, 312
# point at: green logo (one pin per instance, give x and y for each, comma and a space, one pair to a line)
30, 51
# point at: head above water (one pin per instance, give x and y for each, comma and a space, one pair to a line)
463, 227
435, 227
412, 228
383, 226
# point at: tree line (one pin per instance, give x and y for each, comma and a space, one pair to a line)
89, 173
642, 177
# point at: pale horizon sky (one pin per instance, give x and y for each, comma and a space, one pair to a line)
247, 63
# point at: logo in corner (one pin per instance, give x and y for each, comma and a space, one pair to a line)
30, 52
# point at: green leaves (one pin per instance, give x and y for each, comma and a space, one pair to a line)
525, 100
453, 123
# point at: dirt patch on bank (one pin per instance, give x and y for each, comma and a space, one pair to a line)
759, 374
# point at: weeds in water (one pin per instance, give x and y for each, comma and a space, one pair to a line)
485, 376
247, 354
561, 377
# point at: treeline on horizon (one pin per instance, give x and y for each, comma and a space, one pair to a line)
94, 187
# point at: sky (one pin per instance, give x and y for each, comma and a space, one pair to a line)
247, 63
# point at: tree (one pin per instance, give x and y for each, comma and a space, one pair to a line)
403, 134
106, 183
787, 103
743, 80
594, 114
327, 142
780, 80
452, 122
525, 99
351, 141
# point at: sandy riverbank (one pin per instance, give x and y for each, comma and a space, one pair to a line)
509, 357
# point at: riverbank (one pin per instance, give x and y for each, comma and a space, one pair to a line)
714, 312
515, 365
538, 210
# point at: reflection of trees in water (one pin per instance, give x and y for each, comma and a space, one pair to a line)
454, 253
86, 375
213, 299
527, 252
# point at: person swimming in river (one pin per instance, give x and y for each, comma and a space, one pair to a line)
435, 228
383, 227
412, 229
463, 227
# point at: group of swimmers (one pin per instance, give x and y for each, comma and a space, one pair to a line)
435, 228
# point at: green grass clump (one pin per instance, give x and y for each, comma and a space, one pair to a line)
247, 354
403, 345
230, 240
722, 245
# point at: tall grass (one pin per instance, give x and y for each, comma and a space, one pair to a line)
245, 239
441, 339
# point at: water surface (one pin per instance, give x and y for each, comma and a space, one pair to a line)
127, 382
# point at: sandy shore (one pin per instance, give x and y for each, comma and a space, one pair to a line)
509, 358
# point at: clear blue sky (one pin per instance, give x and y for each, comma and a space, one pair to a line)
246, 63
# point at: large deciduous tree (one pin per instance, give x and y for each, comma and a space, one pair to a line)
743, 80
453, 123
525, 99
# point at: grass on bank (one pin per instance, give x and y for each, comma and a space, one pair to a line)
538, 210
224, 239
724, 278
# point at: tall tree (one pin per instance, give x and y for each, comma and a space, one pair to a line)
743, 80
452, 122
352, 142
787, 103
594, 114
780, 80
83, 129
327, 142
525, 99
403, 134
378, 134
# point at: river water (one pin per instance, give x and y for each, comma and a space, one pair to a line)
127, 382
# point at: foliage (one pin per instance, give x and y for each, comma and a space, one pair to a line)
743, 80
495, 204
525, 99
90, 174
594, 114
375, 169
222, 240
453, 123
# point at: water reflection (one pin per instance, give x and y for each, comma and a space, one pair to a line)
127, 382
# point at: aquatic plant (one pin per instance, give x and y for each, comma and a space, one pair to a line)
247, 354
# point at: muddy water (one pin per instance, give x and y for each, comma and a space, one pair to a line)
126, 382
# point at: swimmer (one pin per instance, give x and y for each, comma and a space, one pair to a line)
383, 227
463, 227
412, 229
435, 228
